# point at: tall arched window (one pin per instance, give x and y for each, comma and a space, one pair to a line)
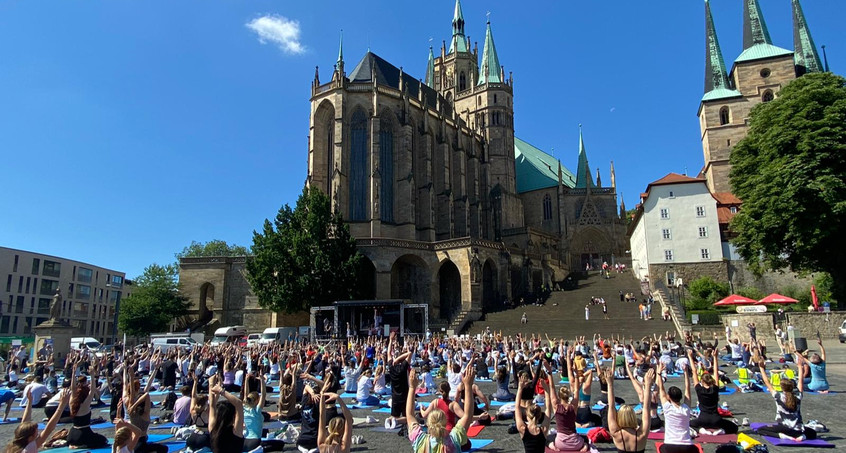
462, 81
724, 116
330, 155
547, 207
358, 166
386, 170
768, 96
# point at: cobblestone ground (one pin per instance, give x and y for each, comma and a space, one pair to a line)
758, 407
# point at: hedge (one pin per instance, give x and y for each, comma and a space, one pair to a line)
706, 317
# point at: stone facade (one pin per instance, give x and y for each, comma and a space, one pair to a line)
688, 271
806, 325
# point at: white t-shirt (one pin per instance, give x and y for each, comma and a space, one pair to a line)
365, 386
239, 378
736, 350
676, 424
38, 392
454, 380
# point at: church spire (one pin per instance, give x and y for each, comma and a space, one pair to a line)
806, 57
583, 179
490, 70
340, 63
613, 176
754, 28
598, 178
430, 69
458, 42
622, 207
716, 76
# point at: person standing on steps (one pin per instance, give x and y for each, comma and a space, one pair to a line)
587, 312
605, 310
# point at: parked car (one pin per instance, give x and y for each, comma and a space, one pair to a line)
842, 336
253, 338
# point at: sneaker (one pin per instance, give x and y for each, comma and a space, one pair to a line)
745, 421
370, 419
390, 423
725, 405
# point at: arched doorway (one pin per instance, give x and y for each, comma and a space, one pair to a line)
410, 279
490, 296
449, 281
366, 280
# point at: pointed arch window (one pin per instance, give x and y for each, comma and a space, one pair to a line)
386, 170
725, 115
462, 81
358, 166
768, 96
547, 207
330, 155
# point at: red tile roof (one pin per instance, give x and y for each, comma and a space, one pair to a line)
726, 198
675, 178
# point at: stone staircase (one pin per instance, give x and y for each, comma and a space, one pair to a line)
563, 315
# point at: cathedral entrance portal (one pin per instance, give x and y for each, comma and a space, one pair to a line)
490, 296
367, 280
449, 281
410, 279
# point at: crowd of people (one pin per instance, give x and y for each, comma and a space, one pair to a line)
227, 393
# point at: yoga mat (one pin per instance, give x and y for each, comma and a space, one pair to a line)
816, 443
599, 407
583, 431
104, 425
702, 439
658, 446
728, 391
476, 444
474, 430
382, 429
499, 403
10, 421
347, 395
830, 392
383, 410
152, 438
174, 446
165, 426
364, 407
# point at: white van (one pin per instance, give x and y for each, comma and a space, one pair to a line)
77, 343
231, 334
171, 341
277, 334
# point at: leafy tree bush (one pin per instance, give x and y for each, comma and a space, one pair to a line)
704, 291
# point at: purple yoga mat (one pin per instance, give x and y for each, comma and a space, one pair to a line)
816, 443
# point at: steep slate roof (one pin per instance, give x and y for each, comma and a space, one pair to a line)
756, 37
717, 85
388, 75
537, 169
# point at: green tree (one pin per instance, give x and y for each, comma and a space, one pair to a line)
215, 247
704, 291
154, 302
751, 292
790, 172
306, 257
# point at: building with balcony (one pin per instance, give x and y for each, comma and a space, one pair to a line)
91, 294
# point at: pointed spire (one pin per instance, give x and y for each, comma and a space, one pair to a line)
583, 179
598, 178
806, 57
490, 70
430, 69
613, 176
825, 58
716, 76
560, 174
754, 28
622, 207
458, 42
341, 50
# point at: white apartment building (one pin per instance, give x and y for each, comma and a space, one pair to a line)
29, 280
676, 232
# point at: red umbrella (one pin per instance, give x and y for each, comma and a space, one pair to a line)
735, 299
776, 299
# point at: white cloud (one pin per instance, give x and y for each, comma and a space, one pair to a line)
279, 30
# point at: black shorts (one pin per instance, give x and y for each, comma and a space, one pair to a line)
398, 405
670, 448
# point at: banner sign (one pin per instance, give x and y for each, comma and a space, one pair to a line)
751, 309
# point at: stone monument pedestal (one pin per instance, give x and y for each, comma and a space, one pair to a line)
60, 334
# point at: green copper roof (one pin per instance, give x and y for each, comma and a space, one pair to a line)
716, 76
720, 93
583, 178
490, 70
761, 51
430, 69
754, 27
806, 57
458, 43
537, 169
341, 48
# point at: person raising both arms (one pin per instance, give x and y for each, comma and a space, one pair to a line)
336, 436
788, 407
534, 430
676, 416
622, 424
27, 439
438, 439
707, 389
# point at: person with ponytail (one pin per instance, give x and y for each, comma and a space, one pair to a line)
27, 438
336, 437
254, 418
226, 418
127, 436
80, 434
622, 423
788, 407
566, 438
533, 431
438, 439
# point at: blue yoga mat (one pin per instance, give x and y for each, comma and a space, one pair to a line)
728, 390
165, 426
383, 410
499, 403
476, 444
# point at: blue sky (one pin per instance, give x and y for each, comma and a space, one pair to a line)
129, 129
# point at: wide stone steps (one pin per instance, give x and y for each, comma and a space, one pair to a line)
563, 315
